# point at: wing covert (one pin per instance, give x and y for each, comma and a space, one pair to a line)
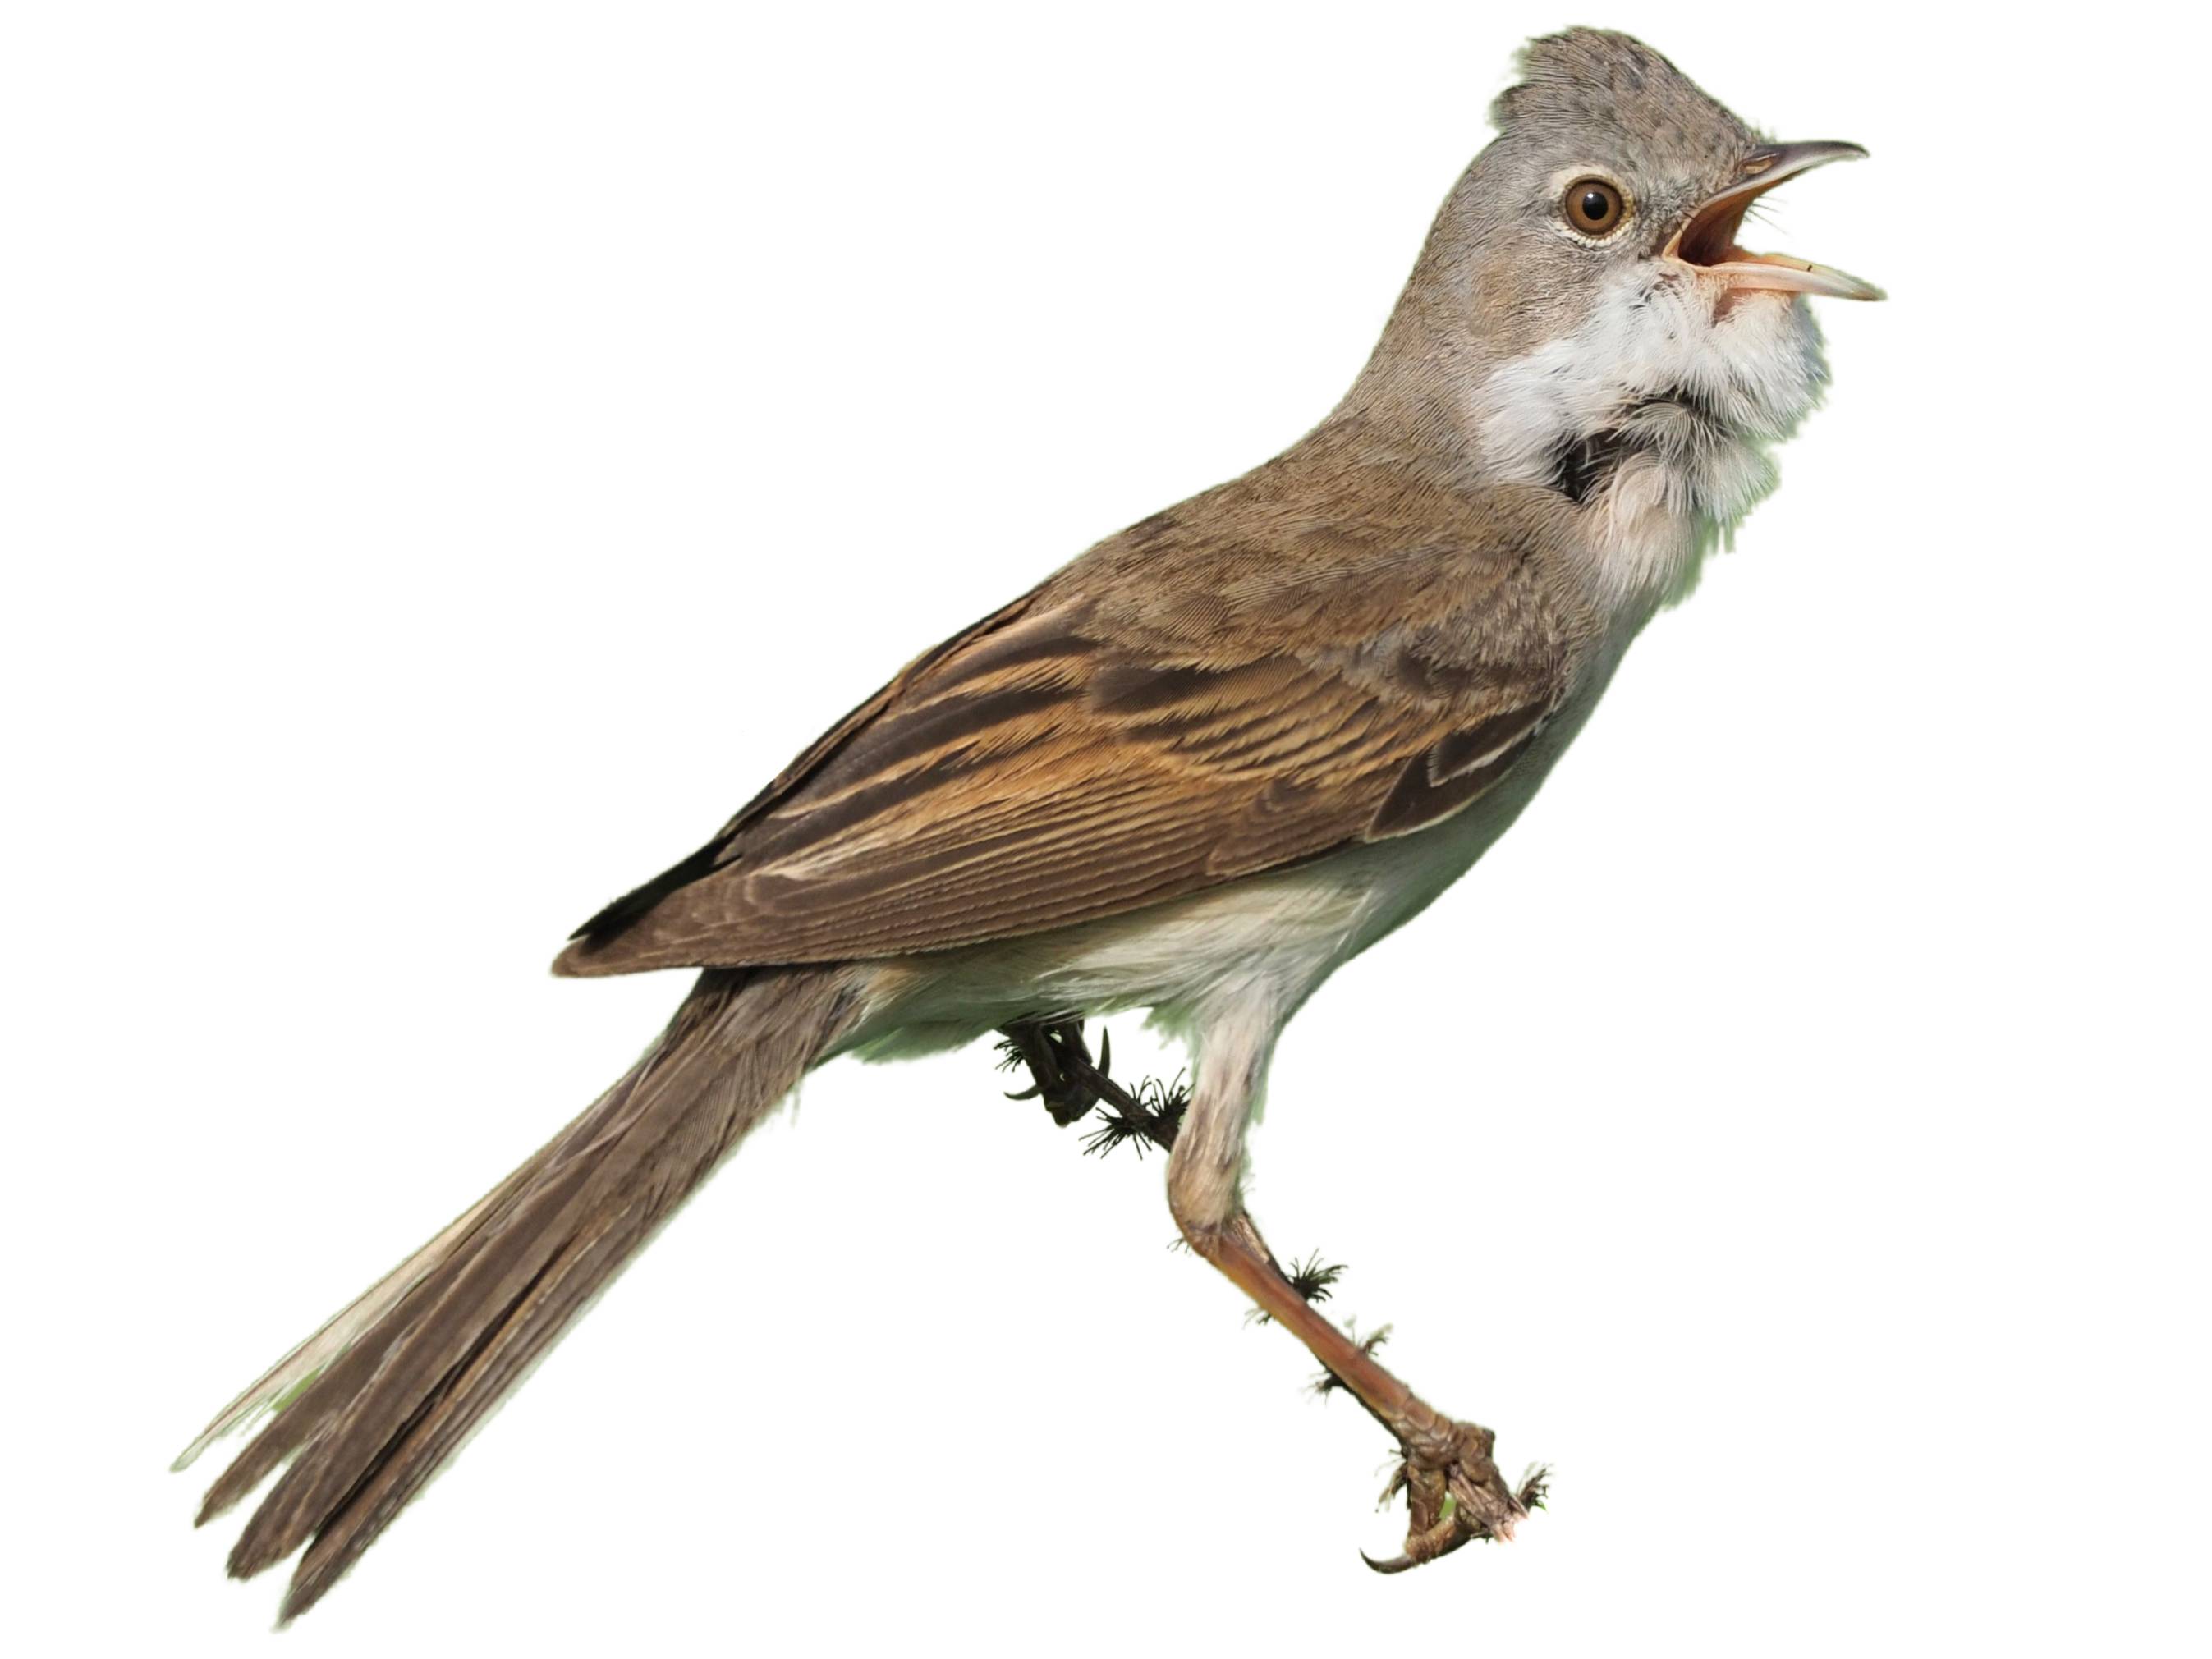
1066, 759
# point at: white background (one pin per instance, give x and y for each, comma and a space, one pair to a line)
453, 454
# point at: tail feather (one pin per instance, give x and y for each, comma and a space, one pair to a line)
280, 1385
371, 1406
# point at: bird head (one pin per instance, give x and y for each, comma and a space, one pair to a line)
1583, 313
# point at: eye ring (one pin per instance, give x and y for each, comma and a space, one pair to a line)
1594, 207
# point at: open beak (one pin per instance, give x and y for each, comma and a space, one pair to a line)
1707, 238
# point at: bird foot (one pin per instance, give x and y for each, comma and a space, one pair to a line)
1061, 1069
1454, 1493
1069, 1083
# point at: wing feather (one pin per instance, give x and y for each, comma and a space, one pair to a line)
1082, 753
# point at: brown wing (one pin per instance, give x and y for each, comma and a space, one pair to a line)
1112, 741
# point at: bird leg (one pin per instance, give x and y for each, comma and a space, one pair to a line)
1453, 1491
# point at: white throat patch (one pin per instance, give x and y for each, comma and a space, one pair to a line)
1656, 415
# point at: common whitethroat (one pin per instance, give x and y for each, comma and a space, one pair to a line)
1194, 771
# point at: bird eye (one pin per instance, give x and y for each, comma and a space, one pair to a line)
1593, 207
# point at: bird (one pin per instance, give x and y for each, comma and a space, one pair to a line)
1194, 771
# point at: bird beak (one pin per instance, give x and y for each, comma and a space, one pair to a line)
1707, 239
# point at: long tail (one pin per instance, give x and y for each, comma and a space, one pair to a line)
369, 1407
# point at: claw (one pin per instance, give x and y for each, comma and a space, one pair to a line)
1453, 1494
1439, 1541
1105, 1051
1447, 1534
1030, 1093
